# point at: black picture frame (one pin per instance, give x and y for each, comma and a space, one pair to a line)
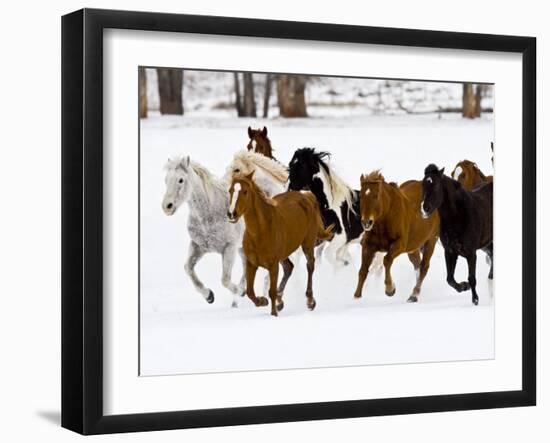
82, 220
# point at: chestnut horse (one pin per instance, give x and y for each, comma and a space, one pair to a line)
274, 229
469, 175
259, 142
393, 224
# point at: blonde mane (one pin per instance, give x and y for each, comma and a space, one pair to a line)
271, 167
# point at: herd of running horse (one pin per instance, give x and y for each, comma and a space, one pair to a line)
265, 211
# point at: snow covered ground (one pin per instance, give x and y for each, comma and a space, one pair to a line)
181, 333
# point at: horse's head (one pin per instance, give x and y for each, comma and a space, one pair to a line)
432, 190
305, 163
467, 174
259, 142
371, 203
239, 166
177, 184
240, 191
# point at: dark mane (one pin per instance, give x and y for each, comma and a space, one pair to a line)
431, 169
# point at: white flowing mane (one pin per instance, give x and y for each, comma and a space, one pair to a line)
339, 190
208, 180
271, 167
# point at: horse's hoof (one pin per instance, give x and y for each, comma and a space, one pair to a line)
390, 292
280, 306
243, 293
234, 304
262, 301
210, 298
274, 313
311, 303
357, 296
346, 262
464, 286
475, 301
412, 299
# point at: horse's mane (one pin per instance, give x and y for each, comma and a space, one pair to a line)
208, 180
257, 189
475, 167
268, 165
340, 190
375, 176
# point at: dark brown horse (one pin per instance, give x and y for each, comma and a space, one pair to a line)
393, 224
259, 142
469, 175
274, 229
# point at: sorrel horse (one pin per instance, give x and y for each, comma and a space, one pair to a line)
466, 222
259, 142
393, 224
339, 204
469, 175
274, 229
187, 181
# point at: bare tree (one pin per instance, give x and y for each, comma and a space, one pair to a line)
291, 95
249, 100
238, 100
478, 97
267, 93
170, 84
142, 86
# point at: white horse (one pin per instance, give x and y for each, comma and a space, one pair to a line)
208, 199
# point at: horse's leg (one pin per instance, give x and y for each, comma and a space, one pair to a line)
394, 250
194, 254
427, 253
242, 282
250, 276
334, 245
287, 271
366, 259
310, 257
489, 251
228, 258
472, 258
273, 277
342, 254
450, 262
319, 251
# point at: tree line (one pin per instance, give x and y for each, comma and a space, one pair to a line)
290, 93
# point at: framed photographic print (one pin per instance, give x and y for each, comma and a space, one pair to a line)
270, 221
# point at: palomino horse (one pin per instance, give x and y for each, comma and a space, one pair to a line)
469, 175
393, 224
339, 204
270, 175
187, 181
466, 222
259, 142
274, 229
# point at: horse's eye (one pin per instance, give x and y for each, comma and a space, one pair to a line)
180, 180
236, 170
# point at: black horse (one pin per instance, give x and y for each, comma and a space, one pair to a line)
339, 204
466, 222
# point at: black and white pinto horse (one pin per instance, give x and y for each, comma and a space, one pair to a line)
466, 222
339, 204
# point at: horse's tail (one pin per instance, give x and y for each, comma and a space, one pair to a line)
326, 234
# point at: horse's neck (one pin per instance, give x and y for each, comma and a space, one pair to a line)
452, 200
259, 216
390, 197
203, 201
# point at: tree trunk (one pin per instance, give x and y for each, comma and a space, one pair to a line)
238, 101
249, 101
170, 82
479, 93
142, 85
267, 93
468, 101
291, 95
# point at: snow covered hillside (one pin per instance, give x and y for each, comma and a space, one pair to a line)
181, 333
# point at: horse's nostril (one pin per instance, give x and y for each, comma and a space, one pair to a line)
169, 206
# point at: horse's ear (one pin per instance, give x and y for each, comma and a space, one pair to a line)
363, 178
250, 176
185, 161
249, 132
441, 171
264, 132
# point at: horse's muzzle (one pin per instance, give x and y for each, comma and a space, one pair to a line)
425, 210
232, 217
367, 225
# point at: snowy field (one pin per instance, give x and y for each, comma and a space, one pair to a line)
181, 333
